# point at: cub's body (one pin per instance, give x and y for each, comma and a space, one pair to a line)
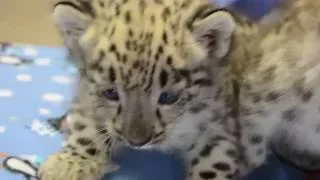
185, 75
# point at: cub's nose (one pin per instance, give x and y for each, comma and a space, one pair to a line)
139, 136
139, 142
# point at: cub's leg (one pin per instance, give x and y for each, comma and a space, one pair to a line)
257, 119
254, 146
85, 155
216, 159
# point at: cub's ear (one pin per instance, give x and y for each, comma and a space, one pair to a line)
214, 32
72, 18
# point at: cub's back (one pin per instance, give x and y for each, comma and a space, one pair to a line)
282, 83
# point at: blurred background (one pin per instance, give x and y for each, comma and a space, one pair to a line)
27, 21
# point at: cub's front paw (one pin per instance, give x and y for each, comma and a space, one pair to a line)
65, 166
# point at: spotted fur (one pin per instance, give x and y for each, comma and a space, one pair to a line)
184, 75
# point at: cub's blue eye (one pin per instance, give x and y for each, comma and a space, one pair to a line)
111, 94
167, 98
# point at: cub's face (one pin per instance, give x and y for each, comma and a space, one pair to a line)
149, 84
150, 109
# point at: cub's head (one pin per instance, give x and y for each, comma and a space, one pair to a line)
147, 68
